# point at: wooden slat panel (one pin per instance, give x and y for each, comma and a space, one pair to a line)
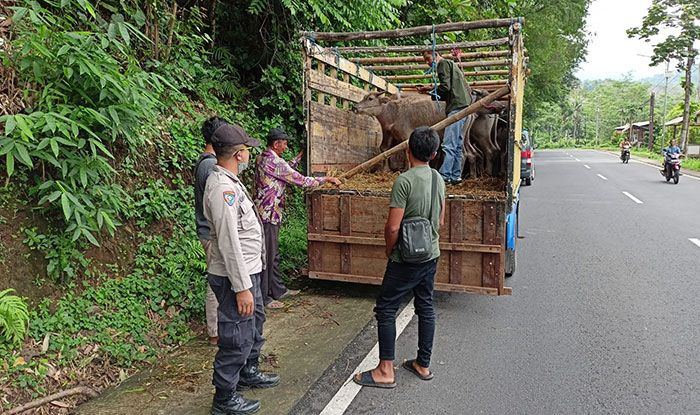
345, 218
361, 240
425, 48
465, 266
456, 236
315, 225
320, 96
335, 87
412, 31
363, 279
334, 75
346, 79
419, 58
330, 58
466, 74
337, 136
491, 262
425, 67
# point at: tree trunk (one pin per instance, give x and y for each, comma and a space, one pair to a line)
686, 102
651, 121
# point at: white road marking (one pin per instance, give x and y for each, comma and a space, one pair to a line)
602, 177
696, 241
633, 198
587, 166
576, 159
346, 394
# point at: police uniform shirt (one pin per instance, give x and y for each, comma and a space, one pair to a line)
235, 232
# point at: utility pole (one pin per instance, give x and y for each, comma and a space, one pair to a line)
597, 123
651, 122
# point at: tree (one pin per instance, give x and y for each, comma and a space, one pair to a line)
683, 18
554, 34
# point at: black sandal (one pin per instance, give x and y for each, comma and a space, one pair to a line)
408, 365
366, 379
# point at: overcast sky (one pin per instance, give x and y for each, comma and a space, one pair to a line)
611, 54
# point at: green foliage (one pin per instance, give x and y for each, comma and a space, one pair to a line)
682, 18
664, 14
293, 244
13, 319
131, 318
84, 100
340, 15
64, 256
156, 201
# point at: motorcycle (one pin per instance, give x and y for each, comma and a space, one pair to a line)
672, 167
625, 156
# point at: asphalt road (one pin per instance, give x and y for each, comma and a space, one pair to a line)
605, 311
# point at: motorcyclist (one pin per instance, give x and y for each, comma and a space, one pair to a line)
671, 149
625, 143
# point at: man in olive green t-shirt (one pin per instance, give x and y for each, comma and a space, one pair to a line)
454, 90
411, 197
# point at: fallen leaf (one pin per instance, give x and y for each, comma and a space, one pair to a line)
19, 361
45, 343
60, 404
122, 375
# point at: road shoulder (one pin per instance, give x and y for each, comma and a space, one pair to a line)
303, 340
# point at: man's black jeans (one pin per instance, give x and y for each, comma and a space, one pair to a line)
399, 280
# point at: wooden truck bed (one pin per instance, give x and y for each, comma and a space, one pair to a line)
346, 241
345, 228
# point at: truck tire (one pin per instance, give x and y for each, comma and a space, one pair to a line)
510, 263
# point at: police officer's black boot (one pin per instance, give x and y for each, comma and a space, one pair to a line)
231, 403
252, 377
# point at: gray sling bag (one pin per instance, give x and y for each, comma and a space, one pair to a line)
416, 237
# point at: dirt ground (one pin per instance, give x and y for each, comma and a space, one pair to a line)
302, 341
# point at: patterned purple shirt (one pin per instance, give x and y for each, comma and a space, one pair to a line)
271, 177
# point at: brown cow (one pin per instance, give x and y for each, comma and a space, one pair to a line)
398, 117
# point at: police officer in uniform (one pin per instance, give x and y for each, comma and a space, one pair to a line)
234, 266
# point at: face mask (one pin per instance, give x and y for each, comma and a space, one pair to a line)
242, 166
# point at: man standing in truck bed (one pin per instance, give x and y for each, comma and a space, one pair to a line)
452, 89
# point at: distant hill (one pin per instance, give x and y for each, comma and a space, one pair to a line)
674, 82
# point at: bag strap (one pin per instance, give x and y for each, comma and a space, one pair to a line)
433, 193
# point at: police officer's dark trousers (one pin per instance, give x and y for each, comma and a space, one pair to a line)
258, 339
237, 334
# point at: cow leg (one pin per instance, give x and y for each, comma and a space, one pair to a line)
469, 152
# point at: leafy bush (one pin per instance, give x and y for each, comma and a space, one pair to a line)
13, 319
87, 99
64, 257
293, 243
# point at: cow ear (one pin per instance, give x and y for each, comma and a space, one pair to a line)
386, 98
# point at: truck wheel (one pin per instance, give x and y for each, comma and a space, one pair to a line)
510, 263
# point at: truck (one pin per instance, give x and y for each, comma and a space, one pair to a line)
345, 226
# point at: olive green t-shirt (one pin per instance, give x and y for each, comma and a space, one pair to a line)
411, 192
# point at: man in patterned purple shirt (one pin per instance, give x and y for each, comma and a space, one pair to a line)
272, 175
